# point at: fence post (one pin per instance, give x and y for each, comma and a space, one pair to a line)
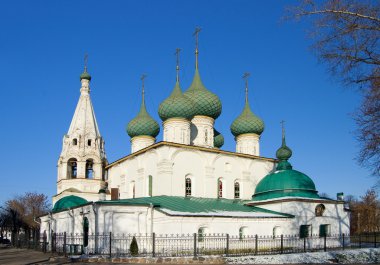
64, 244
52, 242
227, 244
153, 244
195, 244
360, 240
282, 244
343, 241
374, 239
110, 244
44, 243
324, 243
304, 244
256, 244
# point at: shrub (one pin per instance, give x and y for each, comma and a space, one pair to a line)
134, 248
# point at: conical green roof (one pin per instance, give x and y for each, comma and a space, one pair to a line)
218, 139
247, 122
143, 124
177, 105
205, 102
285, 181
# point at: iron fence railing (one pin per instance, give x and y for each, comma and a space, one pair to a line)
176, 245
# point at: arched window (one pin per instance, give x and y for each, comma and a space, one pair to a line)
220, 188
89, 142
201, 234
236, 190
319, 210
188, 186
242, 232
150, 188
132, 190
276, 231
75, 141
72, 168
89, 169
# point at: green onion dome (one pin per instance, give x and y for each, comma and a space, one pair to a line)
85, 75
247, 122
68, 202
205, 102
143, 124
218, 139
177, 105
285, 181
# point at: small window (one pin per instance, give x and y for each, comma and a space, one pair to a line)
319, 210
188, 187
324, 230
237, 190
305, 231
206, 136
201, 234
150, 179
220, 188
89, 142
75, 141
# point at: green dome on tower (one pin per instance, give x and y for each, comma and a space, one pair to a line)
247, 122
285, 181
205, 102
85, 75
218, 139
143, 123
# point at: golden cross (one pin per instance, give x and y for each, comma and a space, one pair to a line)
143, 76
196, 33
283, 128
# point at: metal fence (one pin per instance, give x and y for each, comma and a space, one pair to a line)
176, 245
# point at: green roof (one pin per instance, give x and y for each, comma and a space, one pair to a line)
177, 105
218, 139
205, 102
68, 202
176, 205
247, 122
143, 124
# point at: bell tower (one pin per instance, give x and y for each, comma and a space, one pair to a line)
82, 160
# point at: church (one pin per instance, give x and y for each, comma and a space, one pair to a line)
185, 183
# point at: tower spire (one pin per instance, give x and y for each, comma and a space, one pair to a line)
177, 51
196, 33
245, 77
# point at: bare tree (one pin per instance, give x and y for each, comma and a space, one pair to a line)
346, 34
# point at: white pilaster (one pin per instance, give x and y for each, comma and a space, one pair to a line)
202, 131
248, 143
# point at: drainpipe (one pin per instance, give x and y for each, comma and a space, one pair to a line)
151, 218
96, 225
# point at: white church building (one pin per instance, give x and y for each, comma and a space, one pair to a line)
185, 183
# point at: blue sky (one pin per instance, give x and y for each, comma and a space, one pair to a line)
42, 44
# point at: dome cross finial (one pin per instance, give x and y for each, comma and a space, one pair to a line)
177, 51
246, 75
143, 76
283, 132
196, 34
85, 62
